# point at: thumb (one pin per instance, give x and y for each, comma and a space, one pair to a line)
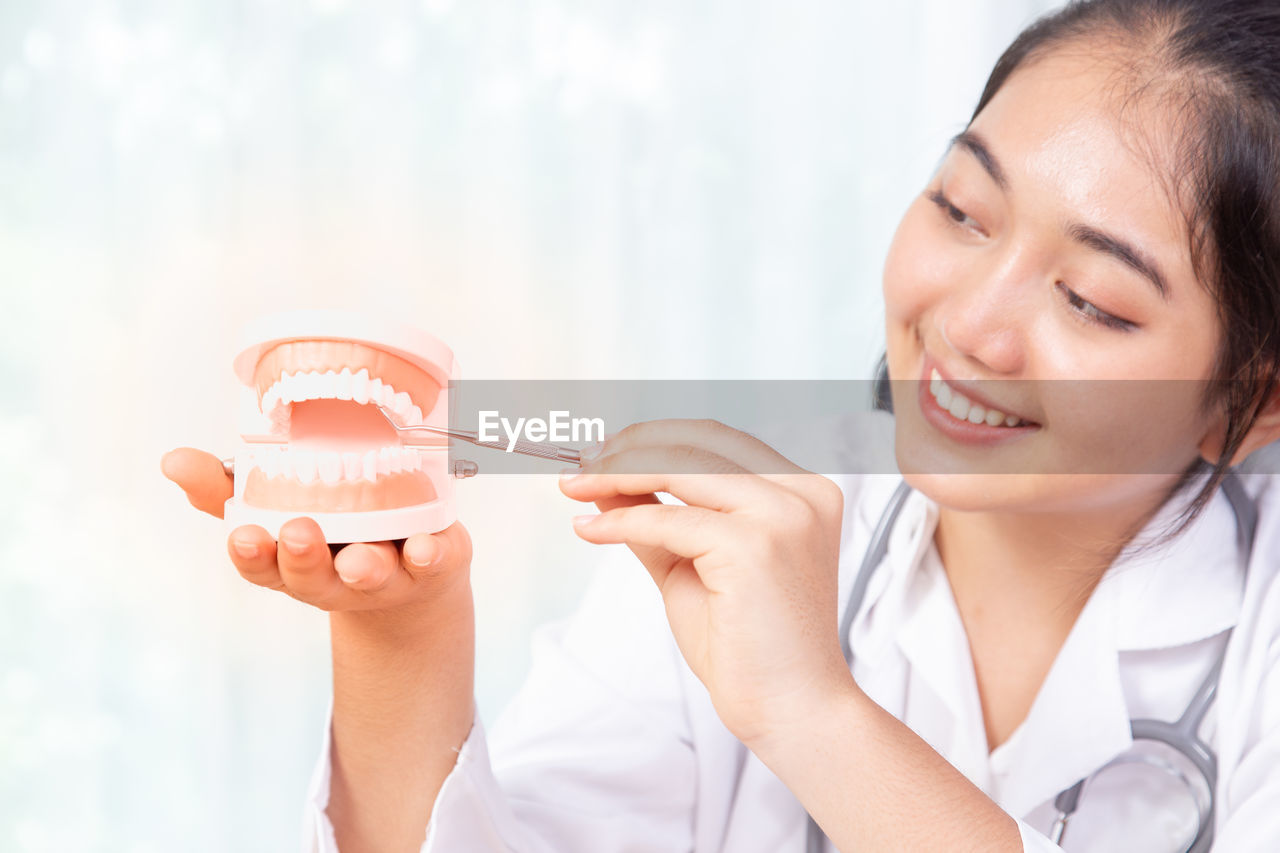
437, 555
201, 476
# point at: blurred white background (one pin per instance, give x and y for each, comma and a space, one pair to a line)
558, 189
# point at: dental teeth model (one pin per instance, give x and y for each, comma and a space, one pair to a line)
315, 443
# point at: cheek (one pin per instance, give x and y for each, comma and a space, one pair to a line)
917, 270
1126, 426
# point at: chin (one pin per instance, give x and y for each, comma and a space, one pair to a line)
1074, 494
971, 492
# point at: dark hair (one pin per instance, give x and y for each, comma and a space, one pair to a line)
1218, 64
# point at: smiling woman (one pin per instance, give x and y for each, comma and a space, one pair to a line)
1082, 324
1030, 272
1059, 267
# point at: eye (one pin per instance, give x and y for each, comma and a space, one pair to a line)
957, 216
1092, 313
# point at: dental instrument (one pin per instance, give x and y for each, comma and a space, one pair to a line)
529, 448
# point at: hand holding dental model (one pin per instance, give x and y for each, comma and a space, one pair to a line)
323, 395
322, 465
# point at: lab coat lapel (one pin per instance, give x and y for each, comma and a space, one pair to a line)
1184, 591
941, 701
1165, 597
911, 655
1078, 721
880, 613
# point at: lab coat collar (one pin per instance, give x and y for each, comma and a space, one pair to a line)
1169, 596
1185, 590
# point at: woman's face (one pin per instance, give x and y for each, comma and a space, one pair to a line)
1044, 275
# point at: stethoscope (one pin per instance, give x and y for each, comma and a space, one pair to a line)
1180, 735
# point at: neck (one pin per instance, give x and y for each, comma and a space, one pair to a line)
1034, 568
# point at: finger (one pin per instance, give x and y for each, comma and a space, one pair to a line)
438, 557
749, 452
651, 469
201, 476
657, 560
253, 552
394, 574
306, 564
743, 449
370, 567
686, 531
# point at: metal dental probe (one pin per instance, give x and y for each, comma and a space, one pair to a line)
530, 448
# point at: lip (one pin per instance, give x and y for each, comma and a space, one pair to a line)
964, 432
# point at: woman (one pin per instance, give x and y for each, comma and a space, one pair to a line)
1067, 560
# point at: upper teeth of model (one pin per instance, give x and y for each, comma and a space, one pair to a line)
294, 387
961, 408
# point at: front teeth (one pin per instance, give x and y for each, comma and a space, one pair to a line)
296, 387
960, 407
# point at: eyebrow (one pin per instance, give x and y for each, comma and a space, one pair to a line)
1086, 235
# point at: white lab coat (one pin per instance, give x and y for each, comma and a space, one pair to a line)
613, 745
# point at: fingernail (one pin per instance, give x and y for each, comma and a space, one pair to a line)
348, 578
295, 548
248, 550
421, 553
584, 520
569, 473
591, 451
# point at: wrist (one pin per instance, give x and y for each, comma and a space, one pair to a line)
439, 617
829, 703
397, 668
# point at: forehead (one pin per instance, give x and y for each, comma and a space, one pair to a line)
1079, 142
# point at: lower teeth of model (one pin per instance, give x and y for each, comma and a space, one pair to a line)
330, 467
960, 408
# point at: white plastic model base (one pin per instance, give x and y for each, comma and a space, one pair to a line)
373, 526
315, 444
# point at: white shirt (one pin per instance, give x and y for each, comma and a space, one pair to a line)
613, 745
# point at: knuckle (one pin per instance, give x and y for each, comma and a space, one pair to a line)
327, 598
310, 601
436, 572
795, 511
830, 496
304, 566
626, 435
678, 516
689, 459
270, 580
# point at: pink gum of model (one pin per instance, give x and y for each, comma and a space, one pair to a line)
315, 443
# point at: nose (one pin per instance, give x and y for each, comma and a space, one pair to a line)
987, 321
